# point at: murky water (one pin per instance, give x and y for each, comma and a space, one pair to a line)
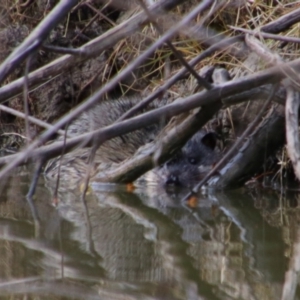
147, 245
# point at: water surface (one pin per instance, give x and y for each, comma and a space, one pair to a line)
146, 244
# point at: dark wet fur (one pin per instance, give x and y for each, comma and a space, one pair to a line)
192, 163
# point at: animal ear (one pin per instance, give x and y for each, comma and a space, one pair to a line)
210, 140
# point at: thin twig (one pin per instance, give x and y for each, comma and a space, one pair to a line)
34, 180
29, 196
98, 12
80, 33
62, 50
283, 38
31, 119
200, 80
25, 100
55, 195
14, 133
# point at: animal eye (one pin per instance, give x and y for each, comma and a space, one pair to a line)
174, 160
192, 160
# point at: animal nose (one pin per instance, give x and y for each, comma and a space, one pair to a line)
173, 180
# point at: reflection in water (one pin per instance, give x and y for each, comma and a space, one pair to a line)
148, 245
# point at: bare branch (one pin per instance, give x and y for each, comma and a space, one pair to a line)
272, 59
36, 38
93, 99
268, 76
283, 38
283, 23
63, 50
89, 50
292, 134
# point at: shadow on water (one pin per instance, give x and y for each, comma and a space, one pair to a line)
147, 244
